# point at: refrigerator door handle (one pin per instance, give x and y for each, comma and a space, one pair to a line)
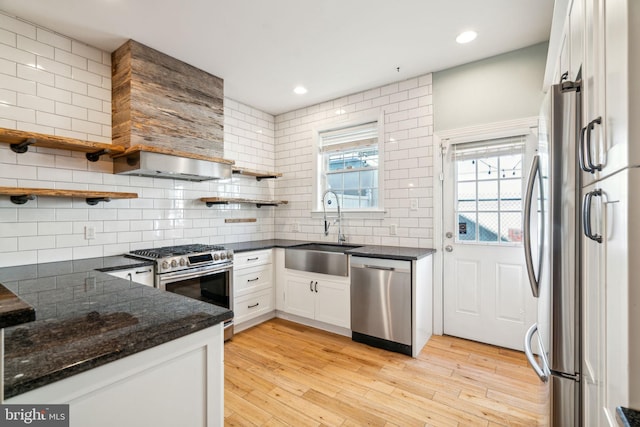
534, 281
586, 215
541, 371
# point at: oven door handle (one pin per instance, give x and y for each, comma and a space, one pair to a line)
175, 277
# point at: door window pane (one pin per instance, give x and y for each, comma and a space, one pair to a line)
489, 197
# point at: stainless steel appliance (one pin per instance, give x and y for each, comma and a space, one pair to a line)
202, 272
160, 165
381, 303
552, 253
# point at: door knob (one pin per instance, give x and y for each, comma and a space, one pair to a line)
448, 248
449, 234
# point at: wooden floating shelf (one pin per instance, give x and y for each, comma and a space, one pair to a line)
210, 201
237, 220
20, 196
260, 175
21, 140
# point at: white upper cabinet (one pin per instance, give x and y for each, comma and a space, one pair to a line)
593, 132
622, 68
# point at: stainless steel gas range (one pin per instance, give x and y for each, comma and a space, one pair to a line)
202, 272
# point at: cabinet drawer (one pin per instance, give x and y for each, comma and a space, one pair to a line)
252, 279
252, 305
250, 259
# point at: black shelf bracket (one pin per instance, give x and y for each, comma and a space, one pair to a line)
22, 147
21, 199
94, 157
266, 204
260, 178
92, 201
209, 204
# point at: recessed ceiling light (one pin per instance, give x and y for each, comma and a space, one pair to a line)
466, 37
300, 90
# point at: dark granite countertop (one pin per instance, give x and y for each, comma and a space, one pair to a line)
13, 310
628, 417
388, 252
87, 318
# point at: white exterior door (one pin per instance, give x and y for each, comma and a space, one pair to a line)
485, 289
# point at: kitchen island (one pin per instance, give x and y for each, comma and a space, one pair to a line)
118, 352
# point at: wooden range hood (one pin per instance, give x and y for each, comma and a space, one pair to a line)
167, 115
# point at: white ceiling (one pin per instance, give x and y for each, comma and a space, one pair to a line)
263, 49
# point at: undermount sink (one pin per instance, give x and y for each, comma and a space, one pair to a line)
324, 258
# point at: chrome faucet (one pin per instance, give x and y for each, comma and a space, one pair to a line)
341, 237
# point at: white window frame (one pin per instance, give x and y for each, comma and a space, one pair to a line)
318, 180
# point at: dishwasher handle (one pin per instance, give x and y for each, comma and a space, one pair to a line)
377, 267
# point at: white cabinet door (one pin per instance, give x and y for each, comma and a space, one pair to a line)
621, 238
621, 56
576, 32
593, 315
318, 297
333, 303
299, 296
141, 275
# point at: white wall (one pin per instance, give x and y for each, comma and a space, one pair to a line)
512, 82
55, 85
408, 125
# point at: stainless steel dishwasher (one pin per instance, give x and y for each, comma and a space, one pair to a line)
381, 303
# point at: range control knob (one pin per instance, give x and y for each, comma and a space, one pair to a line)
165, 265
229, 255
174, 263
183, 262
216, 256
223, 255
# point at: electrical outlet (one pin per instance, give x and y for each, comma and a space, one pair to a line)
89, 232
393, 229
414, 204
295, 227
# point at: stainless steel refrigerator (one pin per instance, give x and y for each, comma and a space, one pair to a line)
551, 243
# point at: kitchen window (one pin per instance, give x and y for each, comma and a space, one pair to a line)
349, 163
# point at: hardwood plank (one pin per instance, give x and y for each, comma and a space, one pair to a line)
302, 376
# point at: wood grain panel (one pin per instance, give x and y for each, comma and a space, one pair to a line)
160, 101
12, 136
53, 192
283, 373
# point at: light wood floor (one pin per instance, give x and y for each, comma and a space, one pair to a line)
282, 373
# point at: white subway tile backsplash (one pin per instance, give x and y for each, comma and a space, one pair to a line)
29, 45
11, 112
86, 51
68, 58
86, 76
86, 102
8, 67
53, 93
48, 119
35, 103
17, 84
71, 85
100, 93
14, 54
100, 69
53, 39
69, 110
27, 243
7, 37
